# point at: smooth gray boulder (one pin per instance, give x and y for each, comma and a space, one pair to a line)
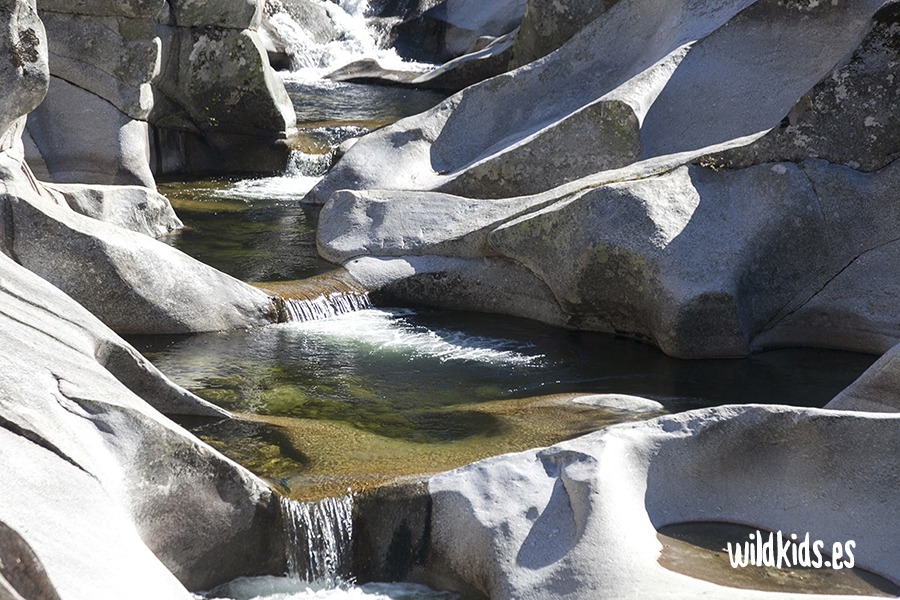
114, 58
678, 249
580, 519
134, 207
132, 282
548, 24
110, 495
219, 105
83, 138
677, 64
135, 284
92, 127
877, 390
635, 257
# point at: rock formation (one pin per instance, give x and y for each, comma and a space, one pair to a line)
111, 496
580, 519
719, 187
132, 91
102, 495
218, 104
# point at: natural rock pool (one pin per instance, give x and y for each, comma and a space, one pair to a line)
396, 391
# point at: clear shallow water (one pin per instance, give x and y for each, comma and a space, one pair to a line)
370, 396
250, 235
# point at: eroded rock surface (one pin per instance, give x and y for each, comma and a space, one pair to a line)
580, 519
679, 193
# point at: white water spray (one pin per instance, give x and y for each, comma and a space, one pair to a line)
355, 40
326, 306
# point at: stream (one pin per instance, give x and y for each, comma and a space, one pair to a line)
342, 404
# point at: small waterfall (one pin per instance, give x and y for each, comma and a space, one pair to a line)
318, 539
320, 297
325, 307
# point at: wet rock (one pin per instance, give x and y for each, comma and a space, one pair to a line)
877, 390
281, 20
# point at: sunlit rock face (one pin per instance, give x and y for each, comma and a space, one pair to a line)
679, 193
581, 519
109, 494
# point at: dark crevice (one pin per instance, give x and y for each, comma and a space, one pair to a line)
774, 323
37, 439
9, 230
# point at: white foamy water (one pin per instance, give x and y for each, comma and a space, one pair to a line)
387, 331
303, 172
326, 307
285, 588
355, 41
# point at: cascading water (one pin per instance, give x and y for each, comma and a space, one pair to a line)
318, 539
320, 297
325, 307
355, 40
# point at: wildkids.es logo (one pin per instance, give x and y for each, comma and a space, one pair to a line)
783, 552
